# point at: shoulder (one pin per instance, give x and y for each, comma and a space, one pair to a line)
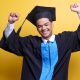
32, 39
66, 36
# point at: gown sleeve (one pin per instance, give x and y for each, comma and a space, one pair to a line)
16, 44
71, 40
76, 40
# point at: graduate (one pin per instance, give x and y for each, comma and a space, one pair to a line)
46, 57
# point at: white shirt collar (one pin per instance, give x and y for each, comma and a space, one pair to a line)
52, 38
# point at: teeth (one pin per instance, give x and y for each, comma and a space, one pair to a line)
45, 31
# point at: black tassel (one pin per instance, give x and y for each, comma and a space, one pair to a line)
18, 31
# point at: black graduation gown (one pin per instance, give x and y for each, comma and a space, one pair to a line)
30, 48
0, 43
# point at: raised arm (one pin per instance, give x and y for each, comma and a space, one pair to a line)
12, 18
75, 35
11, 41
76, 8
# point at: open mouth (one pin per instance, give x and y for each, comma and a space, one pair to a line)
45, 31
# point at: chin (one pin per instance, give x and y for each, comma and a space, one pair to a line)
46, 37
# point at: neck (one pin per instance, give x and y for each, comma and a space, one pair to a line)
47, 38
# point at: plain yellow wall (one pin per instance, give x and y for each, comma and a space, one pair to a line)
10, 64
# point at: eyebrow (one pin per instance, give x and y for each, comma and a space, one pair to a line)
44, 24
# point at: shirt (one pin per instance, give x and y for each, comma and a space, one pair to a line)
49, 53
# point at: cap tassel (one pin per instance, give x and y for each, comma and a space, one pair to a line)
18, 31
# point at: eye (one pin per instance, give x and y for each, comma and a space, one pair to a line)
39, 26
46, 24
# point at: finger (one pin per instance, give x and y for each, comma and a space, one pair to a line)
16, 15
12, 14
75, 5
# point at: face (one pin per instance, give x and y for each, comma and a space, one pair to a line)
44, 27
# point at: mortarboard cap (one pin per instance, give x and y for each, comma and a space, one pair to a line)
41, 12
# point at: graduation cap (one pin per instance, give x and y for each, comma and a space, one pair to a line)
40, 12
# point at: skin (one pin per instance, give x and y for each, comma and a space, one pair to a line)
44, 26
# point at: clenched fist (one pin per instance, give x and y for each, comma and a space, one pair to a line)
75, 7
13, 17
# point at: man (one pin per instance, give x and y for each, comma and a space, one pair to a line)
46, 57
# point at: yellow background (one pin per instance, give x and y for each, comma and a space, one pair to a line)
10, 64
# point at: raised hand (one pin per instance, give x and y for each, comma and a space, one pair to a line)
13, 17
75, 7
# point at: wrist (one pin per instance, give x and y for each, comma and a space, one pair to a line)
10, 22
10, 25
78, 14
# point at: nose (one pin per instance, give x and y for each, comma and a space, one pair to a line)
43, 27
